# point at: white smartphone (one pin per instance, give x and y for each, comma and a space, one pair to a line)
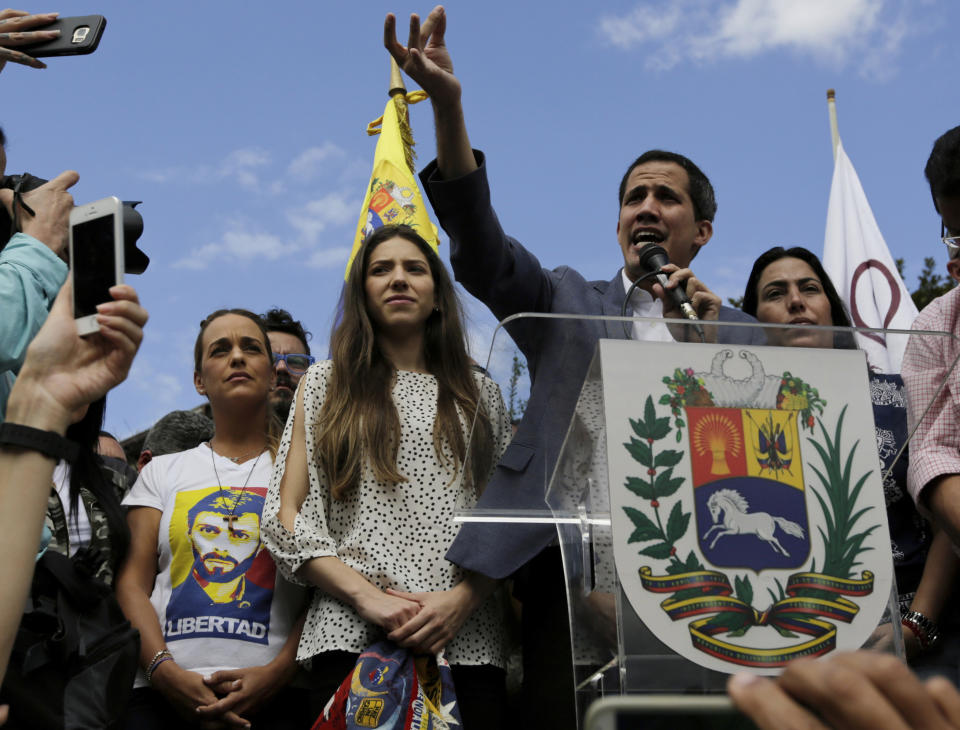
665, 712
96, 258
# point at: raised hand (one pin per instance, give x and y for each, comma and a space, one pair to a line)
15, 30
51, 205
63, 371
425, 58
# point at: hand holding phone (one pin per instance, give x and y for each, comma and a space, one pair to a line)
73, 36
96, 258
19, 28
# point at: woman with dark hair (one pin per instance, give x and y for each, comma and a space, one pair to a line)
371, 468
790, 286
219, 629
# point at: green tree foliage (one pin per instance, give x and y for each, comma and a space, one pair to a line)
515, 405
930, 284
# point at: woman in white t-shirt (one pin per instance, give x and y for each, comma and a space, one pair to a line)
371, 467
219, 628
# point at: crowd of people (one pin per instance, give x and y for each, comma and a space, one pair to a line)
260, 551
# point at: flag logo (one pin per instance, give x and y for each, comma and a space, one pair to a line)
392, 197
748, 486
743, 533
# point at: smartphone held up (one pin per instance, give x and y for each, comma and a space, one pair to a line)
96, 258
79, 36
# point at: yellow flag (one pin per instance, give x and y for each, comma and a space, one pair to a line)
392, 195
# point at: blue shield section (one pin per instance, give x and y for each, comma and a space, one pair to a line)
770, 532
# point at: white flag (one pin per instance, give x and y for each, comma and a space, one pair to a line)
861, 267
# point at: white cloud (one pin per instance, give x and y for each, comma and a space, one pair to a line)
240, 166
309, 163
334, 209
830, 31
164, 389
329, 258
237, 246
295, 229
644, 23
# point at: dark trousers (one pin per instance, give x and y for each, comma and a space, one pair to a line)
481, 690
548, 686
289, 709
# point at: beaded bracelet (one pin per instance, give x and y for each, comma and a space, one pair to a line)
159, 658
153, 667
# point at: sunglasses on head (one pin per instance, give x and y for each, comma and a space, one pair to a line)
296, 362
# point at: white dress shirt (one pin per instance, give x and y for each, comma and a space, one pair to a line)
643, 304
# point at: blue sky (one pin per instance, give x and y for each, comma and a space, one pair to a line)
242, 130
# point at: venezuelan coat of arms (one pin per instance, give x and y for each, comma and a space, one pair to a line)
746, 500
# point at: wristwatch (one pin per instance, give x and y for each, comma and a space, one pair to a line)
925, 629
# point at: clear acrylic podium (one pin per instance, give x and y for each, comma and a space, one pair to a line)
616, 649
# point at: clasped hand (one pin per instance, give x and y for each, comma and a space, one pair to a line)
440, 617
221, 700
424, 622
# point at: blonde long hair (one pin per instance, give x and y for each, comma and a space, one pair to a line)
359, 419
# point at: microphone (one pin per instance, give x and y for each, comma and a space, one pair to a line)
652, 259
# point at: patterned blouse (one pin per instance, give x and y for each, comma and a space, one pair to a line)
395, 535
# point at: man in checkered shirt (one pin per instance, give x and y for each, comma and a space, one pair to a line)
934, 471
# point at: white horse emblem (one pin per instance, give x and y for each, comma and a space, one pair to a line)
737, 521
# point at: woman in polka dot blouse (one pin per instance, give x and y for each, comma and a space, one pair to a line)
375, 458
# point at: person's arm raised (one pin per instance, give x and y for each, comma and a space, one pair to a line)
426, 59
15, 30
62, 372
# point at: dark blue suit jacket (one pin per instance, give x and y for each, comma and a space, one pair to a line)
509, 279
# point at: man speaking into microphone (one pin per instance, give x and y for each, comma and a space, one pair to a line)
663, 199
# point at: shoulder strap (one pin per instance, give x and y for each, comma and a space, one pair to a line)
80, 589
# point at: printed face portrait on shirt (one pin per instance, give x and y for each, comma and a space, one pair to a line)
224, 543
224, 531
218, 566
